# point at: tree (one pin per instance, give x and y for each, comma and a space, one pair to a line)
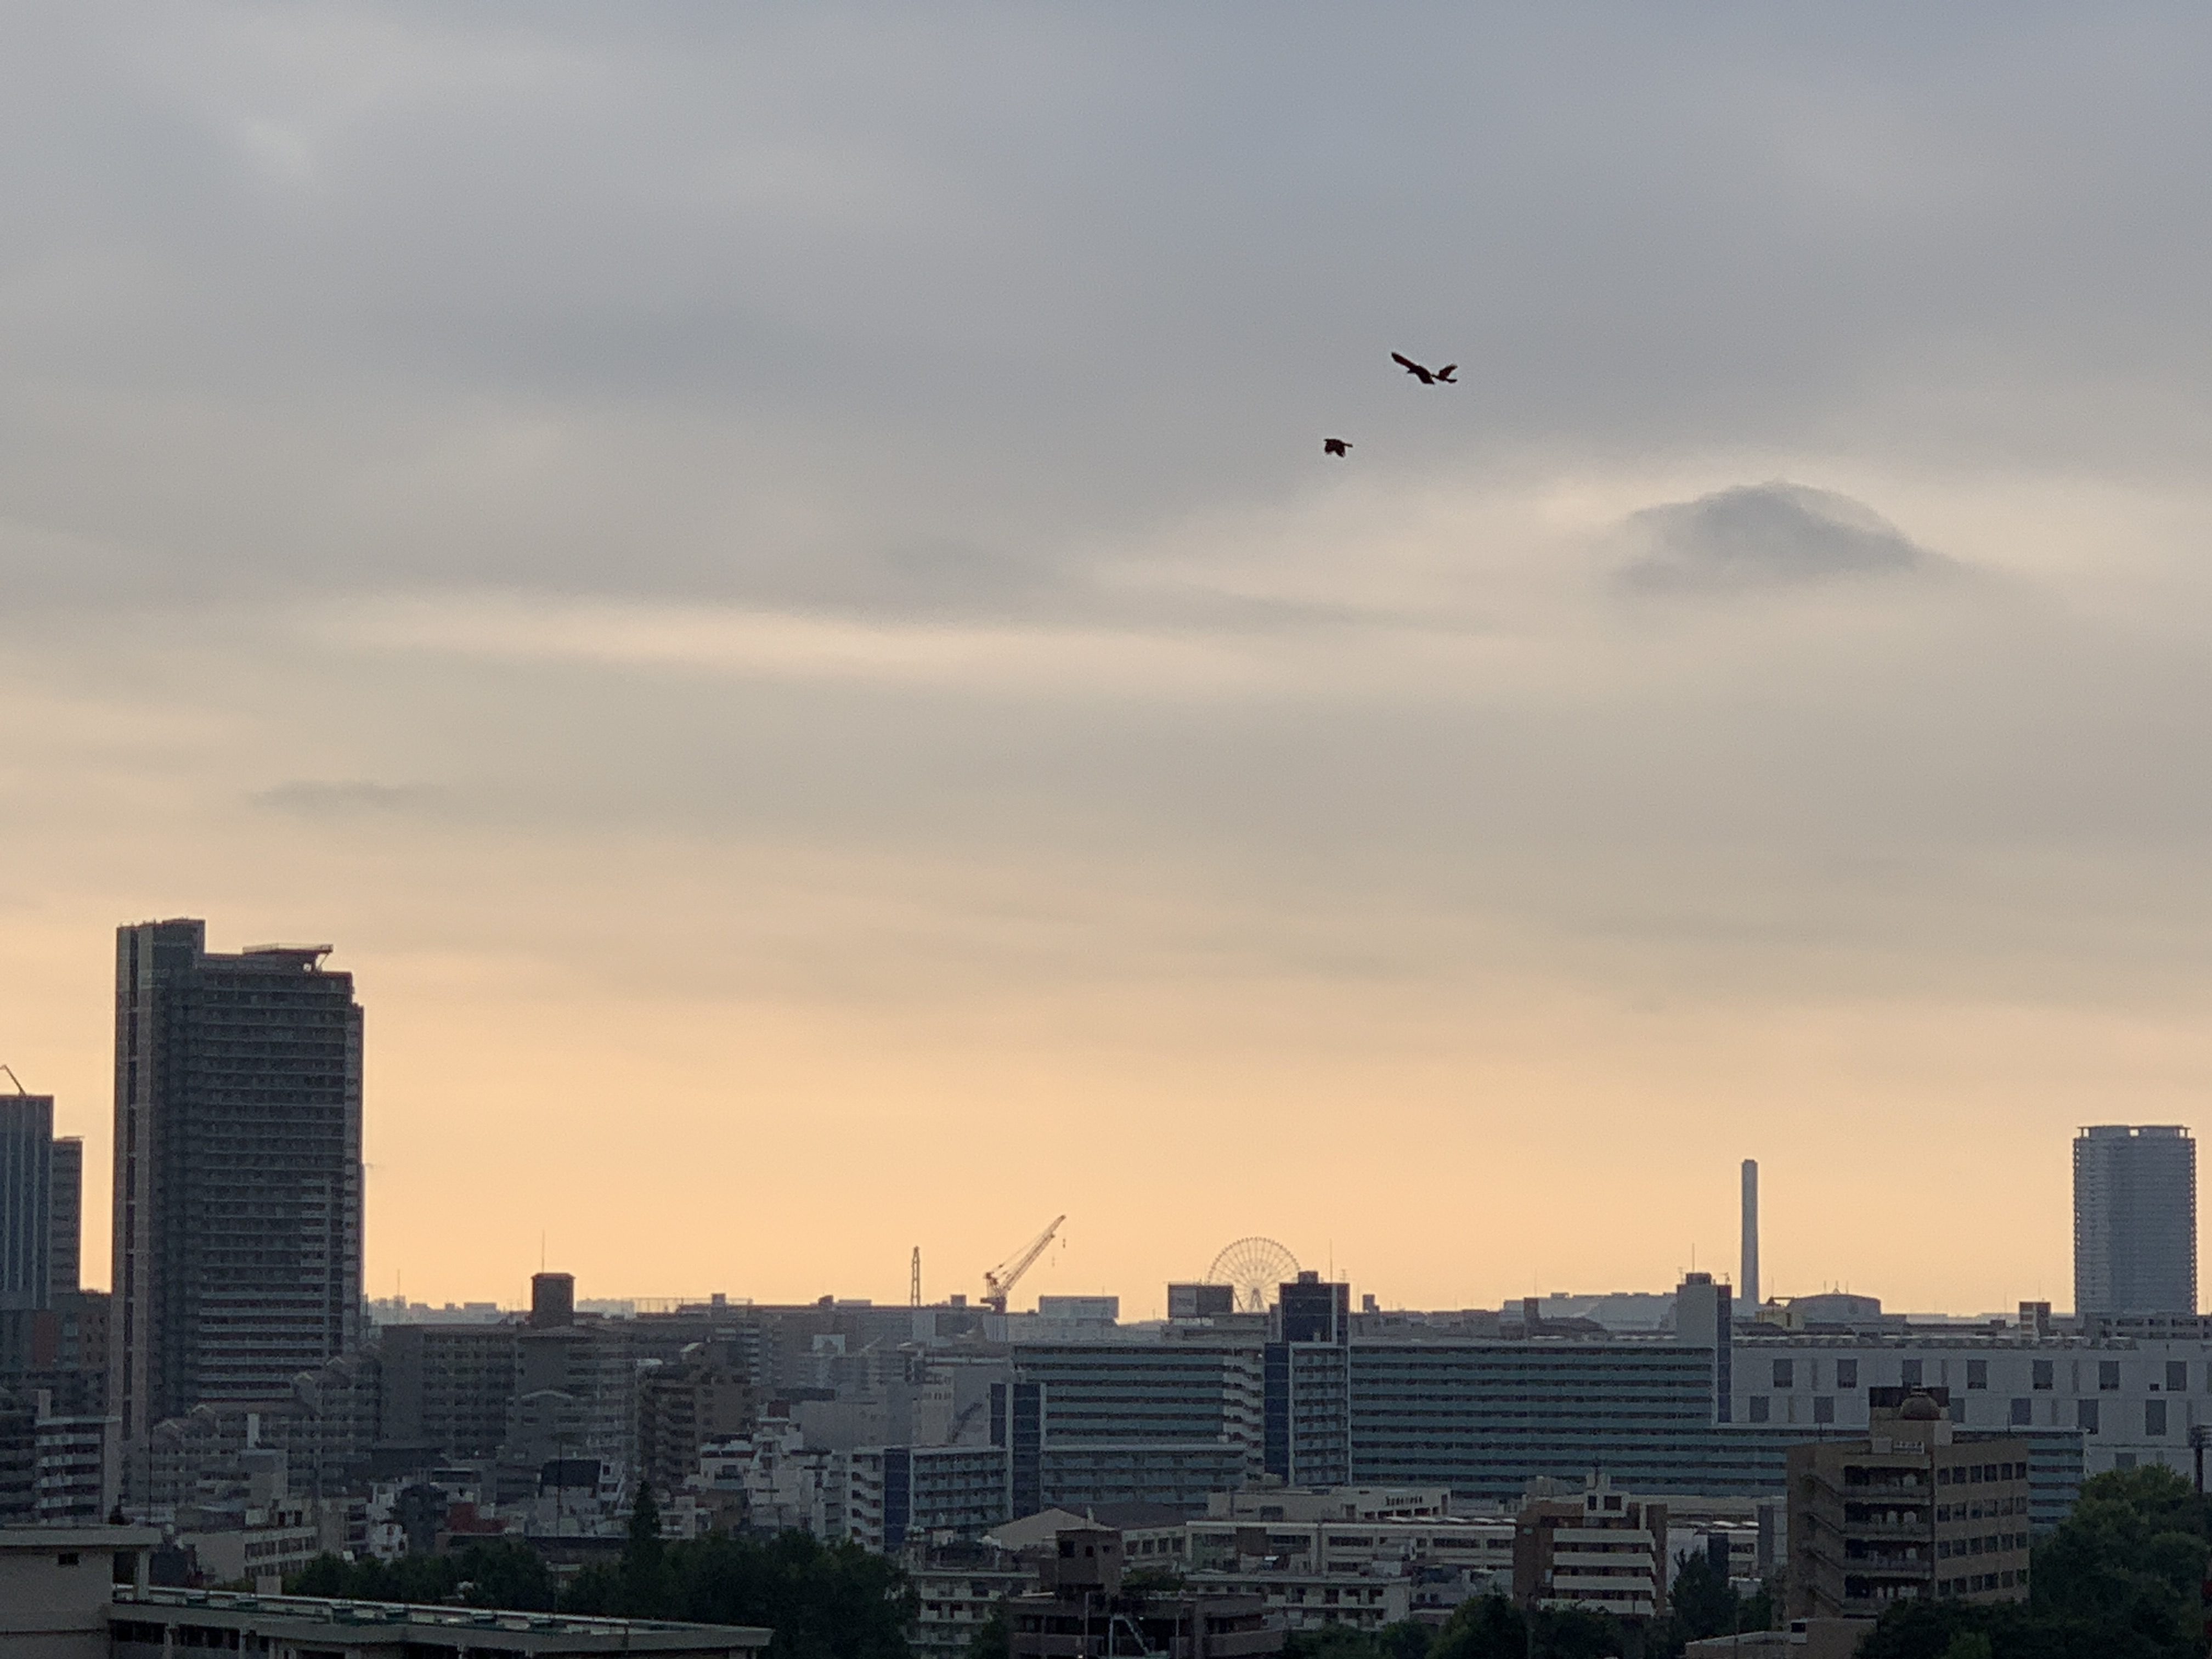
1403, 1640
1484, 1627
1704, 1603
990, 1640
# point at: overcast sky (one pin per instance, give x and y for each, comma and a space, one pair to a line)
767, 575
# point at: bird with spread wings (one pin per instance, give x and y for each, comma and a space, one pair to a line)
1426, 376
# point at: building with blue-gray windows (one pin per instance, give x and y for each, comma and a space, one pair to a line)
1116, 1421
1707, 1408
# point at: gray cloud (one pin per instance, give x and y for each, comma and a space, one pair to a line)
976, 361
1767, 536
350, 799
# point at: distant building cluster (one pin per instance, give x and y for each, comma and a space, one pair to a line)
1270, 1455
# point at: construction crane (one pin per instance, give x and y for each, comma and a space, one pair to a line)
999, 1283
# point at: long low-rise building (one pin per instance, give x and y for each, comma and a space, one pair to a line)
154, 1624
1708, 1408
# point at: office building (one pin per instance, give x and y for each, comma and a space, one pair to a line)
2134, 1220
1916, 1508
237, 1176
1202, 1301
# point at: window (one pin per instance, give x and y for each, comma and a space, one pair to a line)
2177, 1376
2085, 1416
1824, 1408
2108, 1376
1759, 1408
1785, 1373
1977, 1373
1913, 1373
2041, 1378
1847, 1373
2153, 1418
66, 1558
2020, 1411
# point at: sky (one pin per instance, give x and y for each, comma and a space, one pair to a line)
767, 577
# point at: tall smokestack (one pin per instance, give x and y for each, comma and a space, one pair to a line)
1747, 1284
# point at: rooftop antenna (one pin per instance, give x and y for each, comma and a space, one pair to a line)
13, 1079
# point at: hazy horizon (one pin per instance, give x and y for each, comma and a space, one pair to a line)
768, 579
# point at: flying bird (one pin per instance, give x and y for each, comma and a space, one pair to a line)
1333, 445
1427, 376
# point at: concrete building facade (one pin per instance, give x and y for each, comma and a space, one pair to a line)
2134, 1220
1915, 1509
1606, 1551
238, 1173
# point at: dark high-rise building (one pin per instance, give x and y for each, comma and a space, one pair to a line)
237, 1177
65, 1202
27, 1146
2134, 1220
27, 1141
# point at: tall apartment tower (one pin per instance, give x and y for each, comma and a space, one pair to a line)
237, 1177
27, 1142
27, 1139
2134, 1220
65, 1203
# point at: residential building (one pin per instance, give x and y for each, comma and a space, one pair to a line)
65, 1207
27, 1142
893, 1493
78, 1467
1166, 1421
686, 1406
237, 1172
772, 1482
448, 1386
1080, 1611
956, 1588
1307, 1398
2134, 1220
1917, 1508
1607, 1551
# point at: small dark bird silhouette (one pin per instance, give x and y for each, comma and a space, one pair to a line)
1427, 376
1333, 445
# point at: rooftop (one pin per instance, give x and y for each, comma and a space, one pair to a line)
312, 1616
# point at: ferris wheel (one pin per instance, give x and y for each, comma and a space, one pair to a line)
1255, 1266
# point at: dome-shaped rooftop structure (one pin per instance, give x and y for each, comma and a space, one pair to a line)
1919, 1408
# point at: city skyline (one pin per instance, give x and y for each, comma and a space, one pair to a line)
1148, 1300
771, 582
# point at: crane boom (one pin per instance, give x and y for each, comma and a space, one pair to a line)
999, 1282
